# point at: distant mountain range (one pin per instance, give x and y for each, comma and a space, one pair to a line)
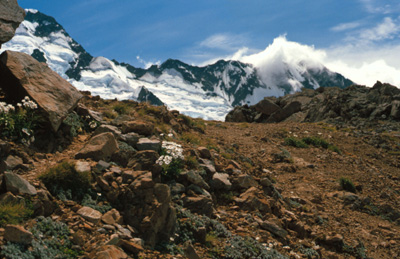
209, 92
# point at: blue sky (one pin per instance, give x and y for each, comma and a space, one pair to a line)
354, 34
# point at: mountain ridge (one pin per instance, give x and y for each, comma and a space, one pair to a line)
208, 91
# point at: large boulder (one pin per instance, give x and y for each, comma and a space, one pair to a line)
266, 107
18, 185
100, 147
21, 75
11, 15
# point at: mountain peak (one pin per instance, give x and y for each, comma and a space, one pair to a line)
208, 91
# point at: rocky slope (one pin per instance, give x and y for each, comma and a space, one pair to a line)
208, 92
354, 105
95, 178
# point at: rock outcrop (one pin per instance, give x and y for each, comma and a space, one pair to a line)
381, 102
21, 75
11, 15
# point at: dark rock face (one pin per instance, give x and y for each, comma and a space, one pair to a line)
381, 102
11, 15
22, 75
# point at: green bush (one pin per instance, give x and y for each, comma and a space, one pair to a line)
64, 179
316, 142
347, 185
51, 240
14, 213
20, 122
246, 247
294, 142
191, 162
77, 124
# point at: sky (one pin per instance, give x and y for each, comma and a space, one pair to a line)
358, 38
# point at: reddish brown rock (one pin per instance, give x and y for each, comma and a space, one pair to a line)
100, 147
17, 234
108, 252
140, 127
23, 75
90, 214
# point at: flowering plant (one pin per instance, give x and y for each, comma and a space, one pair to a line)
18, 122
171, 159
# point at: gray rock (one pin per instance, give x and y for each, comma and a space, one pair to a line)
18, 185
244, 181
204, 152
220, 181
266, 107
148, 144
130, 138
108, 128
11, 15
274, 229
11, 163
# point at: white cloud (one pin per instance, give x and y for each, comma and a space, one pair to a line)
147, 64
362, 65
380, 6
388, 29
223, 41
346, 26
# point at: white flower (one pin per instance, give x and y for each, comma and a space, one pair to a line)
93, 124
26, 131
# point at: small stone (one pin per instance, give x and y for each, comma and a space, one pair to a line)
90, 214
17, 234
140, 127
102, 166
11, 163
274, 229
189, 251
220, 181
111, 217
82, 166
130, 247
204, 152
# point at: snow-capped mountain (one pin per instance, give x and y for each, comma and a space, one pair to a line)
208, 91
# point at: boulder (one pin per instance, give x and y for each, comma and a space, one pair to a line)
108, 252
18, 185
4, 148
148, 144
17, 234
204, 152
274, 229
244, 181
130, 138
99, 147
11, 15
22, 75
10, 163
140, 127
111, 217
220, 181
266, 107
108, 128
90, 214
200, 204
149, 209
